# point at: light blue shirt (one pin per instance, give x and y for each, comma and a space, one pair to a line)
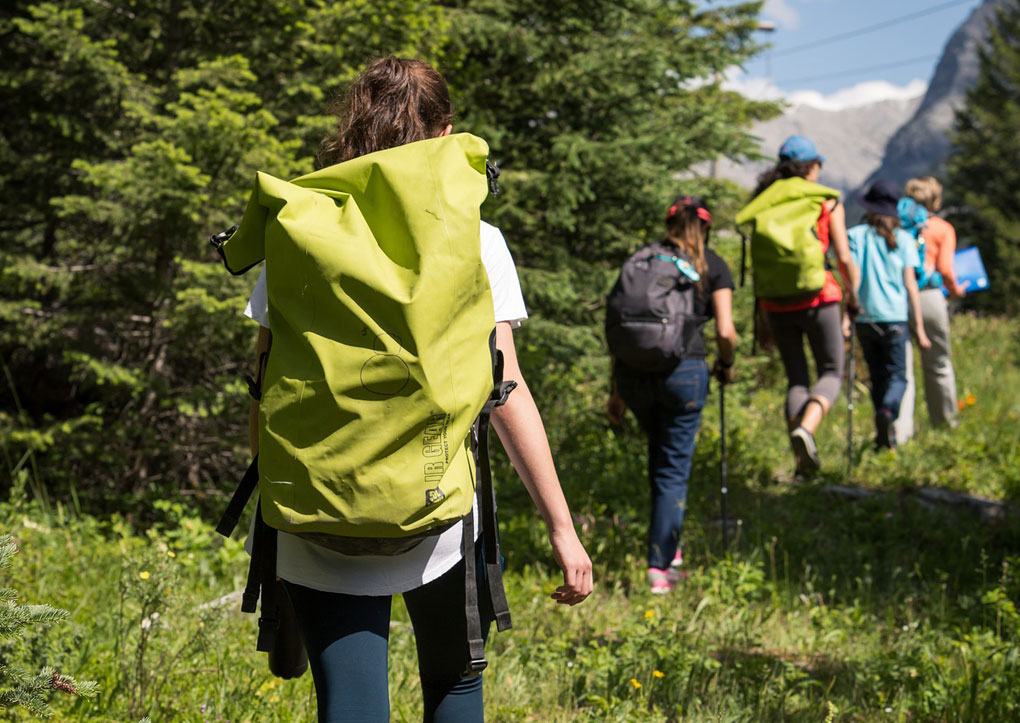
882, 292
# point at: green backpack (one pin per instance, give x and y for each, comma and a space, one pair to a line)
786, 253
373, 421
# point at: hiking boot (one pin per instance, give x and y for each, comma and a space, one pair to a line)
675, 574
805, 451
658, 581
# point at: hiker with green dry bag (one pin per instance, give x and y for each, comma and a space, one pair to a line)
387, 310
794, 220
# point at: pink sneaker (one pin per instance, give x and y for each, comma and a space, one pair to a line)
658, 581
675, 573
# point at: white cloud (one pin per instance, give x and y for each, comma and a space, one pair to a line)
782, 13
872, 91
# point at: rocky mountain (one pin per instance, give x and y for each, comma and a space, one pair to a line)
853, 141
922, 144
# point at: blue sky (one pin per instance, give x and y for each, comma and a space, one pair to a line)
846, 72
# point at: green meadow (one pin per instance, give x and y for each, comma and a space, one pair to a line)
840, 598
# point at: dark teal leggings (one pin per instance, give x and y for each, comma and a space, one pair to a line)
346, 637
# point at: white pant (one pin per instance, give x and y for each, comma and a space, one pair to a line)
936, 366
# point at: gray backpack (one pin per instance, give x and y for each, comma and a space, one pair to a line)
650, 318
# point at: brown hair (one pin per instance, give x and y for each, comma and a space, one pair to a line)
685, 230
886, 227
784, 169
927, 191
391, 102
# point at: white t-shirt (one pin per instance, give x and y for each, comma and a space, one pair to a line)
317, 567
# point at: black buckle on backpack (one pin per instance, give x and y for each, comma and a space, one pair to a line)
502, 392
254, 388
218, 239
492, 174
474, 668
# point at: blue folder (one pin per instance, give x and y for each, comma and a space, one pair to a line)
970, 272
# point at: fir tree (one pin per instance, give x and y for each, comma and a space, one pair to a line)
983, 174
17, 687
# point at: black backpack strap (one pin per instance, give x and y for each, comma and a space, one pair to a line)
487, 492
245, 488
487, 507
262, 580
476, 643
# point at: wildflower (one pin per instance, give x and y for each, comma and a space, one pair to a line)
961, 404
635, 683
970, 400
144, 574
649, 614
171, 553
913, 672
658, 674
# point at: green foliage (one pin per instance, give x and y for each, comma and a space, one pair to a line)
139, 131
987, 183
21, 689
882, 607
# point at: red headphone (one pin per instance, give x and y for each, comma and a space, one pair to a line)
690, 202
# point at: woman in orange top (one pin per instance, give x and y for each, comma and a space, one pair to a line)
937, 270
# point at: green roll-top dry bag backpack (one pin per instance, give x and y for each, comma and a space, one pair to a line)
786, 254
376, 394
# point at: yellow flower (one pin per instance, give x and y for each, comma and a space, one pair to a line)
913, 672
144, 574
658, 674
635, 683
649, 614
171, 553
971, 399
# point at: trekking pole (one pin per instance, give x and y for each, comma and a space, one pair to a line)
851, 367
722, 463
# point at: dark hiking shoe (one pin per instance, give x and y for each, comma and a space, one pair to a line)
885, 436
805, 451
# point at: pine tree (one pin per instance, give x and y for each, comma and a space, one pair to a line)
18, 688
983, 173
593, 110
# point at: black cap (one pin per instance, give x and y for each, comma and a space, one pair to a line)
881, 198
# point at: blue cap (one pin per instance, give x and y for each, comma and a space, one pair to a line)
799, 148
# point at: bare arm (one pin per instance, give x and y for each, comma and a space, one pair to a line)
725, 334
520, 429
616, 408
844, 260
261, 346
944, 263
914, 296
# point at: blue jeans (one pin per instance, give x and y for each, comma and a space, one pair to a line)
884, 346
347, 637
668, 408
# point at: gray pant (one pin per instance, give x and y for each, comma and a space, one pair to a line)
936, 366
821, 326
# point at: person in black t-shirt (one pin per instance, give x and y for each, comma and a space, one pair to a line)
668, 404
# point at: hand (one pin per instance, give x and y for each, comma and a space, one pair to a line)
922, 339
848, 327
961, 290
853, 306
615, 408
723, 374
576, 566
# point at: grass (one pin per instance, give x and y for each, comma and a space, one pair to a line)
883, 607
